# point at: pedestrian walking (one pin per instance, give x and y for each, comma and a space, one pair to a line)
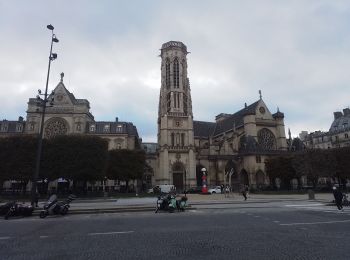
247, 190
36, 199
244, 192
338, 197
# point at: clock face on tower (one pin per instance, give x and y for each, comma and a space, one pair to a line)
262, 110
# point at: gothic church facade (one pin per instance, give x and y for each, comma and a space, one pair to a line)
235, 145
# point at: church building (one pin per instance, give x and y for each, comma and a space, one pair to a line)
235, 145
68, 115
232, 149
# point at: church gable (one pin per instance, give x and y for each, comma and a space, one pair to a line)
62, 97
262, 111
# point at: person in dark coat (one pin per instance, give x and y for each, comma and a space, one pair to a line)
244, 192
36, 199
338, 197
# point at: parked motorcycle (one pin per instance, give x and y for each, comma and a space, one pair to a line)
14, 208
166, 202
5, 208
181, 204
55, 207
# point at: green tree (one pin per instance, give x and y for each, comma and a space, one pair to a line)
342, 163
75, 157
314, 164
126, 165
280, 167
17, 159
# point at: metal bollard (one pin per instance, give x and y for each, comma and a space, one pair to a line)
311, 194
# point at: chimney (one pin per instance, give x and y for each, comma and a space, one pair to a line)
337, 115
20, 119
346, 111
116, 119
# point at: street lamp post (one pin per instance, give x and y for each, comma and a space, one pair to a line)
42, 102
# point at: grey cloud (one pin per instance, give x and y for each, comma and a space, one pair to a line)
297, 52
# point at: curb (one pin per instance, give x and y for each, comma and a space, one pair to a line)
108, 210
105, 210
135, 208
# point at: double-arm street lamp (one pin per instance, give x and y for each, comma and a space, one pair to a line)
43, 103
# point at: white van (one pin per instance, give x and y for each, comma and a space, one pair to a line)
164, 188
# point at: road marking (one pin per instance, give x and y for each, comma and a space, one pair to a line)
43, 236
276, 221
316, 223
110, 233
256, 216
3, 238
305, 205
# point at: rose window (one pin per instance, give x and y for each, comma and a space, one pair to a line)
266, 139
56, 127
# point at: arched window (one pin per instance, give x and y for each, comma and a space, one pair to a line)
182, 139
177, 136
56, 126
168, 101
266, 139
176, 73
172, 139
167, 73
176, 99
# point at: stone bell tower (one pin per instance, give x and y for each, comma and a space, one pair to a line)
175, 120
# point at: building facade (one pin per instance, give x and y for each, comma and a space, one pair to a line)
235, 145
68, 115
336, 137
231, 149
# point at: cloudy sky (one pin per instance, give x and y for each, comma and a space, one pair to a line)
296, 52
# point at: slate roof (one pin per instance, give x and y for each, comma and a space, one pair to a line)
114, 128
206, 129
341, 123
278, 114
203, 129
11, 126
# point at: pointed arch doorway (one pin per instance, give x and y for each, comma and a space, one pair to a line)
178, 170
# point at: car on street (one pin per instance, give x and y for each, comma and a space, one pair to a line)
164, 188
214, 190
194, 190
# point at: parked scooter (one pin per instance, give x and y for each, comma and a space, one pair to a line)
5, 208
181, 204
14, 208
166, 202
55, 207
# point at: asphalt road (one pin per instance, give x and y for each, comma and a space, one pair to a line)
276, 230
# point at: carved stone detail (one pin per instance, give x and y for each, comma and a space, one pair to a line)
56, 127
266, 139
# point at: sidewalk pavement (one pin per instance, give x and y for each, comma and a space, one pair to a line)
110, 205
